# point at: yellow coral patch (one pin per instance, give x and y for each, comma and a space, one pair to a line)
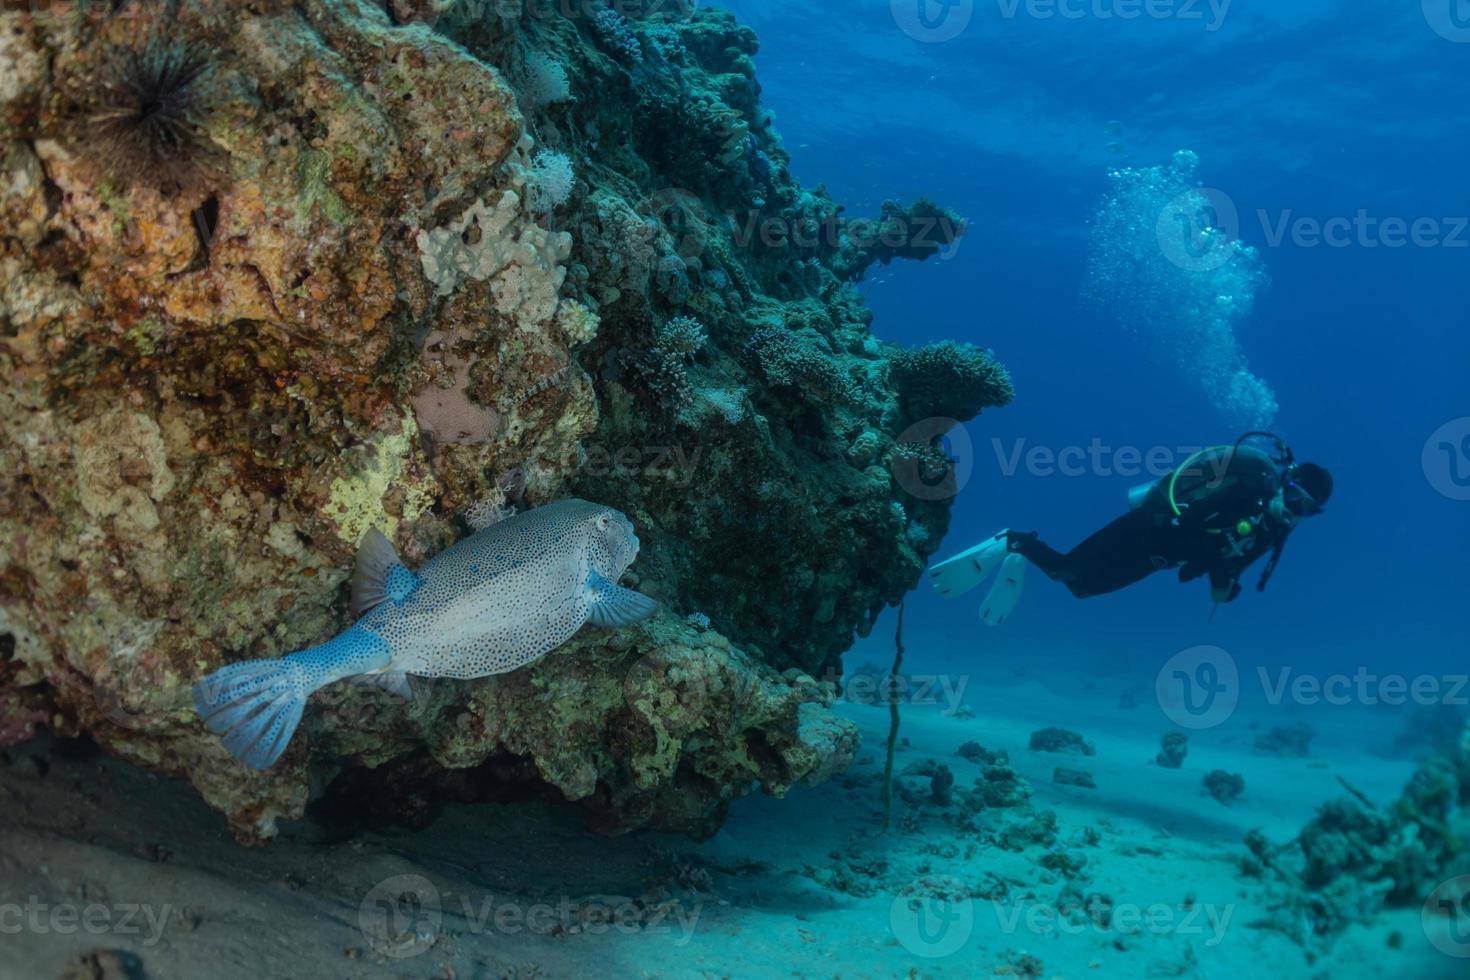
357, 499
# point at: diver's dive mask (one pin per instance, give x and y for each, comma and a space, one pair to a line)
1295, 498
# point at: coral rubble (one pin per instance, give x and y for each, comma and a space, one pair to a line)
1173, 748
1060, 740
1355, 858
383, 267
1224, 787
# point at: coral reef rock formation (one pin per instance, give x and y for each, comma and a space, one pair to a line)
1354, 858
273, 275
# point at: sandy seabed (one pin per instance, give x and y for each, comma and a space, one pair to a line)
109, 871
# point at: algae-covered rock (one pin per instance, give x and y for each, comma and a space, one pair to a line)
273, 275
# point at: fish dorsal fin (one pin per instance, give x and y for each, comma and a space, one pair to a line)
614, 606
380, 574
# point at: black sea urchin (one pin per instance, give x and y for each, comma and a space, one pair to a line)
148, 121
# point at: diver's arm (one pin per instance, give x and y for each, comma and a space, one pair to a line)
1225, 572
1225, 584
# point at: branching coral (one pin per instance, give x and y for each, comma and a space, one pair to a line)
661, 368
681, 337
662, 376
949, 380
788, 360
617, 36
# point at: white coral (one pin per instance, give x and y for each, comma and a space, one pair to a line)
522, 259
488, 511
550, 180
544, 81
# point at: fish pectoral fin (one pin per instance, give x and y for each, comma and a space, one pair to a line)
380, 574
394, 682
614, 606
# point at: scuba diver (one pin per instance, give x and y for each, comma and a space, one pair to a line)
1214, 516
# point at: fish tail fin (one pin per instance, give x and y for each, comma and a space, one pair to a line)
256, 705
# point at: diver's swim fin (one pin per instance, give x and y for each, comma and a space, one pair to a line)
1006, 592
968, 569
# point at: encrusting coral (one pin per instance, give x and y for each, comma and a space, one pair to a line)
343, 295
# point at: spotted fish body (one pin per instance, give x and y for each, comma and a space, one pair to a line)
493, 602
508, 594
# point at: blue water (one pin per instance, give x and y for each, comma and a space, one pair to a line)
1298, 110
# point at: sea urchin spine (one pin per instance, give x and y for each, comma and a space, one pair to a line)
149, 122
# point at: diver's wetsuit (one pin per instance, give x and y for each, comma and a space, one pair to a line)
1204, 539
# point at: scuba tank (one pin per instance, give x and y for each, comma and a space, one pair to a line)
1189, 482
1140, 493
1179, 485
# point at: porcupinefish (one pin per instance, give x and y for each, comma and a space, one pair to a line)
490, 603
